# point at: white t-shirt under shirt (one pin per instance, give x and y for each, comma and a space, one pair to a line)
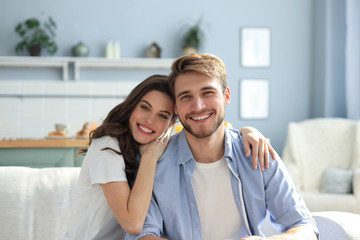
92, 217
219, 214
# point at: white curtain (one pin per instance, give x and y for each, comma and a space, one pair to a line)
352, 69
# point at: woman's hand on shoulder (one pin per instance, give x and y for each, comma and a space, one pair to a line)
259, 146
154, 149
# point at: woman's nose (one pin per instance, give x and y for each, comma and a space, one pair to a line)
150, 118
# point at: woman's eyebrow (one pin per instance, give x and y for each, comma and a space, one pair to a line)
167, 112
146, 102
163, 111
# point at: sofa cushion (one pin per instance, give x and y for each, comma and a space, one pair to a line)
330, 202
337, 180
35, 203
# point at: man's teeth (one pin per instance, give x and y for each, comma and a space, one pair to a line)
201, 117
145, 129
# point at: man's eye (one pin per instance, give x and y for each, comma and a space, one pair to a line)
184, 97
208, 92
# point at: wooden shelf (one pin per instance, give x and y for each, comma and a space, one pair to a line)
44, 143
79, 62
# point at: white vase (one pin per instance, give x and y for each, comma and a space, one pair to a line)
189, 50
109, 51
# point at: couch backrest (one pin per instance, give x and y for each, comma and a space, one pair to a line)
313, 145
35, 203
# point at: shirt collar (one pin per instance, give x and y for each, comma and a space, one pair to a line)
184, 149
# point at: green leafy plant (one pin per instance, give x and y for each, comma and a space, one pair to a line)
194, 36
36, 36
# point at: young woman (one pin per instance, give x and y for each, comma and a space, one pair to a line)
108, 199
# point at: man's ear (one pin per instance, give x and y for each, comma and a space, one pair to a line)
175, 110
227, 96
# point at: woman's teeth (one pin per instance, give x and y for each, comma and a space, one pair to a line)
145, 129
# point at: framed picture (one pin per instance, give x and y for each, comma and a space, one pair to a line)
254, 99
255, 47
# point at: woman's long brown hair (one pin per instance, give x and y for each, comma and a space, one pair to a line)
116, 124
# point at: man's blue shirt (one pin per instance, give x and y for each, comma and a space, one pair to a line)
173, 211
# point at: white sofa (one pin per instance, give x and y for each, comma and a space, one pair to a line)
35, 205
323, 158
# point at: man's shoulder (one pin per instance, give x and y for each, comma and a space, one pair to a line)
176, 144
233, 137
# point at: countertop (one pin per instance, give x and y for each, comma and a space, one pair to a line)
45, 143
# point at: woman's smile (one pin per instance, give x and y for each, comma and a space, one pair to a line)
146, 130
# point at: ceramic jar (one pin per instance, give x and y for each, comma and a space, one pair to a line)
80, 50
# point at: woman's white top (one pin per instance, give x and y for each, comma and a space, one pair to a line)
91, 216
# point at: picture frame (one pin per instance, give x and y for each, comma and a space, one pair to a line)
255, 47
254, 102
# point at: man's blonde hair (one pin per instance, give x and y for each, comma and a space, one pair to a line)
207, 64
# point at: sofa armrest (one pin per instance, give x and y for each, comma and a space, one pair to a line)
295, 175
356, 188
337, 225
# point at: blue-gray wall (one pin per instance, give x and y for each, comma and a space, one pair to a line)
136, 24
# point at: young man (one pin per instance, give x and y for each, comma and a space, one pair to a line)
205, 188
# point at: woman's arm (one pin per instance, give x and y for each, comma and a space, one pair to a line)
130, 206
256, 144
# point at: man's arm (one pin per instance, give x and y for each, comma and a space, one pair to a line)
296, 233
286, 206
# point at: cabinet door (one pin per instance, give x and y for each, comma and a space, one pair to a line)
38, 157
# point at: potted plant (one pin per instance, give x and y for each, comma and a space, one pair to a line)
193, 39
36, 36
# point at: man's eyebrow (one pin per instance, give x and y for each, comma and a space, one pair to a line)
182, 93
202, 89
207, 88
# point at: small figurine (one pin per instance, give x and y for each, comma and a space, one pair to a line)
153, 51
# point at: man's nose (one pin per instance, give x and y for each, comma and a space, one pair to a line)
198, 103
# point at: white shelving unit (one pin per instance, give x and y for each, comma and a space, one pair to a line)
64, 62
126, 63
33, 62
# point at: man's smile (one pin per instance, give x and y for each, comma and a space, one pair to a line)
201, 117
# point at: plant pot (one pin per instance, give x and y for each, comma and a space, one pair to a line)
189, 50
34, 50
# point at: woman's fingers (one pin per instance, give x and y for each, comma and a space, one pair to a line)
261, 154
272, 151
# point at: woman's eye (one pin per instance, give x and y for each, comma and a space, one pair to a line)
144, 107
163, 116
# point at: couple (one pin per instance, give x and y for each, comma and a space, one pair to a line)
204, 186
